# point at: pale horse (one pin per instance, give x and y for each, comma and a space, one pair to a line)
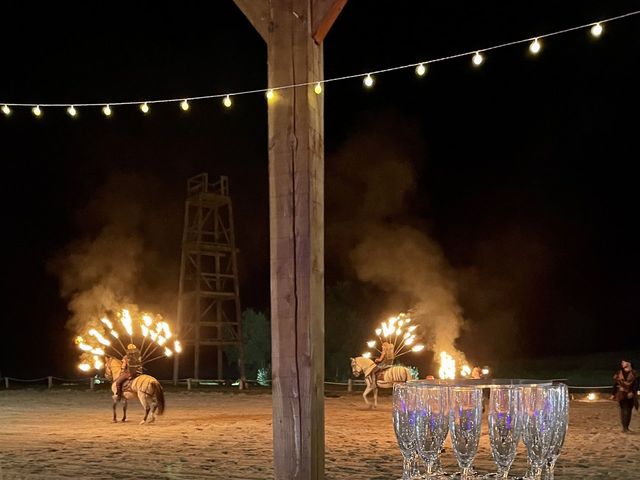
146, 387
390, 376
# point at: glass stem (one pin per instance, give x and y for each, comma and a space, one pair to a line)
503, 472
407, 467
467, 472
536, 473
552, 467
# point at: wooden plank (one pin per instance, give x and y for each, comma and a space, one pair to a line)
257, 12
325, 13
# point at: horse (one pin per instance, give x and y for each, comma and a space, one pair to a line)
147, 388
387, 378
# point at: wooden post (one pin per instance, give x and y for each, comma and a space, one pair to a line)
294, 31
188, 384
49, 382
91, 383
349, 385
6, 382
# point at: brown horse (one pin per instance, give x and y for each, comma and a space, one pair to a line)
147, 388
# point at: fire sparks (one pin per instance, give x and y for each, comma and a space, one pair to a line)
396, 331
465, 371
138, 327
591, 396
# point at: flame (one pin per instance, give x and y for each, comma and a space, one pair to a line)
591, 397
465, 371
114, 334
485, 371
107, 323
366, 354
167, 351
94, 333
447, 366
84, 347
378, 331
145, 331
177, 347
371, 343
97, 351
417, 348
126, 321
147, 320
85, 367
161, 340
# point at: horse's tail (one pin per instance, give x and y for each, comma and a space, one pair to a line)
159, 392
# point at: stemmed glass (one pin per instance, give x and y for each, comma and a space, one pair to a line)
560, 432
505, 426
404, 425
540, 414
432, 425
465, 417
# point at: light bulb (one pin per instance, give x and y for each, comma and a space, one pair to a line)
144, 107
270, 94
106, 110
535, 47
227, 101
421, 70
36, 110
477, 59
6, 110
71, 110
318, 88
184, 105
368, 81
596, 30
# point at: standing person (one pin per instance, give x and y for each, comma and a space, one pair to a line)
625, 391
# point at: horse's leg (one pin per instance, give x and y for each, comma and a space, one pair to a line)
375, 396
124, 408
115, 402
153, 409
145, 404
366, 392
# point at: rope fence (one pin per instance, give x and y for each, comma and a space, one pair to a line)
52, 381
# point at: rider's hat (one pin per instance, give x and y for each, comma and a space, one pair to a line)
131, 346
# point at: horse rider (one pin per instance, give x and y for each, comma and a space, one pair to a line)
386, 358
131, 368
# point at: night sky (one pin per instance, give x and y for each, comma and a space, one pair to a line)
523, 170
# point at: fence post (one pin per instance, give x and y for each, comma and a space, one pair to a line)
91, 383
6, 382
349, 385
188, 384
49, 382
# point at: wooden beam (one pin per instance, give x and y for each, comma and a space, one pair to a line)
325, 13
257, 12
296, 199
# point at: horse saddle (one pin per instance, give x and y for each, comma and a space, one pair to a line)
380, 373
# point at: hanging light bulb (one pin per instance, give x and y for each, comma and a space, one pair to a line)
71, 110
535, 46
36, 110
421, 70
368, 81
477, 59
184, 105
270, 94
596, 30
226, 101
144, 107
6, 110
106, 110
318, 88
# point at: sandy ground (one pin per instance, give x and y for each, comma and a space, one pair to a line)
66, 433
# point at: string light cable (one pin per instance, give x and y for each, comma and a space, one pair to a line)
477, 58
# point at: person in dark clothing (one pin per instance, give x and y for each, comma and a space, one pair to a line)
625, 392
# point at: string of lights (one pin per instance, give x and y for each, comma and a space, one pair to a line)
596, 29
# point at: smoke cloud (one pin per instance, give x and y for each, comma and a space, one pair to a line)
373, 179
128, 253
